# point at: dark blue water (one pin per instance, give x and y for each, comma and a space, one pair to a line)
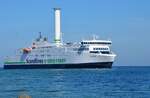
118, 82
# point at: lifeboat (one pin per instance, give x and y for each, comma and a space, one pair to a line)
27, 50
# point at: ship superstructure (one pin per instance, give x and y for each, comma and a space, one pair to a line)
91, 53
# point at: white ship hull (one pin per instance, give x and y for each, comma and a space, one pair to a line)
42, 54
84, 60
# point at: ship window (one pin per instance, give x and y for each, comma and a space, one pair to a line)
95, 42
86, 48
105, 52
84, 42
42, 55
100, 48
83, 49
94, 52
48, 55
36, 55
41, 51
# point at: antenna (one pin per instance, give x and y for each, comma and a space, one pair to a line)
40, 35
95, 37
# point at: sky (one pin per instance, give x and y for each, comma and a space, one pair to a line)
125, 22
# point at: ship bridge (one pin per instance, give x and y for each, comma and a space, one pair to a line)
96, 42
97, 46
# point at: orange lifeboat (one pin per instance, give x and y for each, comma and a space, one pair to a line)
27, 50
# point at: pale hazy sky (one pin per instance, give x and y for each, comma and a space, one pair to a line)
125, 22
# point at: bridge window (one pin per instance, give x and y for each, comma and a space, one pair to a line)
105, 52
42, 55
100, 48
94, 52
95, 42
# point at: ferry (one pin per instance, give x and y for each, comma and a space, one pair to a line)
91, 53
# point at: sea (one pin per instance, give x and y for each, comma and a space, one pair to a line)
117, 82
